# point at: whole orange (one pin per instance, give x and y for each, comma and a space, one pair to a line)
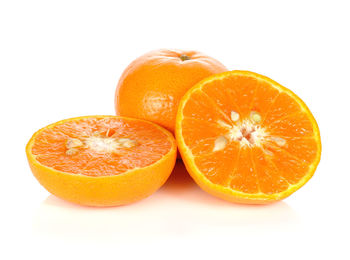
151, 86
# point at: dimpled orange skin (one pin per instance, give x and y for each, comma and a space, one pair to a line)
103, 191
151, 86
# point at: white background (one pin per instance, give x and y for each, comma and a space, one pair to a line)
61, 59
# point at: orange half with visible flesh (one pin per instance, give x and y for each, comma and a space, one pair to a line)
102, 160
245, 138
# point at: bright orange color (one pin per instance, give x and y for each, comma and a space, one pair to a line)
151, 86
102, 160
245, 138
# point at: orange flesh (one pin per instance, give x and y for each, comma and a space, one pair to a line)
267, 167
50, 146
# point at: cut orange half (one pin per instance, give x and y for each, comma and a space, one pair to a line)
245, 138
102, 160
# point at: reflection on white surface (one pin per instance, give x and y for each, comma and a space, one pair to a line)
178, 208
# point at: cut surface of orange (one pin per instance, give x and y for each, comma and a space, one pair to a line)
102, 160
245, 138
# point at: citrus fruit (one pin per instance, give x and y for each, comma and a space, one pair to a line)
102, 160
245, 138
151, 86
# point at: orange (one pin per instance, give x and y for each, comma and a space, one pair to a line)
151, 86
102, 160
245, 138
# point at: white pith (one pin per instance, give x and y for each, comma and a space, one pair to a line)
247, 132
102, 144
257, 133
99, 144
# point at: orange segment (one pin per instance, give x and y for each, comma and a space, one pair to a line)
211, 164
200, 108
295, 125
269, 179
291, 168
244, 176
282, 106
102, 160
224, 98
200, 134
245, 138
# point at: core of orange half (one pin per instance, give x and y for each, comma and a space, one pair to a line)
102, 160
245, 138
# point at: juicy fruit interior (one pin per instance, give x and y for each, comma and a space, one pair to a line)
100, 146
248, 135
